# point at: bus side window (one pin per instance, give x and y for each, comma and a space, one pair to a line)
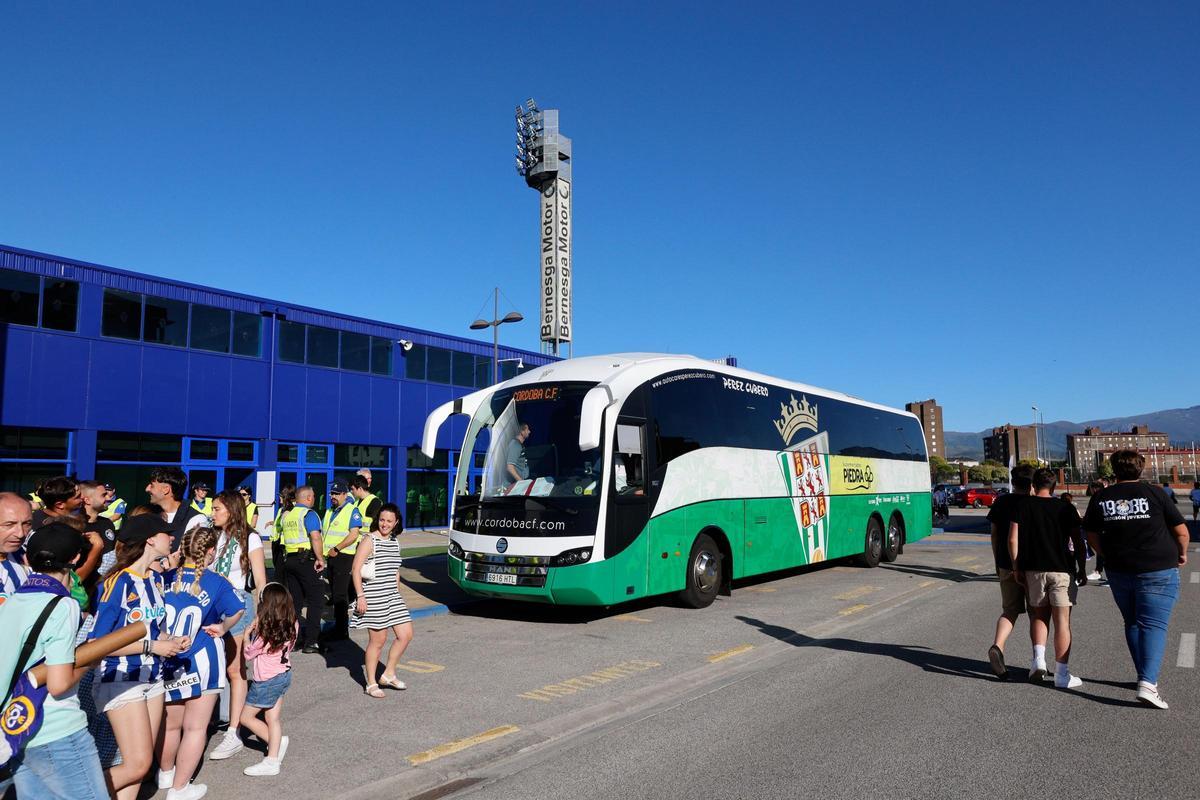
629, 468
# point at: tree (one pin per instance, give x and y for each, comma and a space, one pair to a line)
1104, 470
999, 474
941, 469
980, 474
1030, 462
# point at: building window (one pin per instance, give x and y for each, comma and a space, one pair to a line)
242, 451
291, 342
19, 297
463, 369
210, 328
414, 363
151, 448
202, 450
121, 316
322, 347
287, 454
34, 444
437, 365
316, 454
165, 321
247, 334
356, 351
381, 356
60, 305
483, 372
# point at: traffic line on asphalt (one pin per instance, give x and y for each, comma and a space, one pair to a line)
762, 589
730, 653
457, 745
632, 618
421, 667
856, 593
1187, 651
924, 584
572, 686
963, 559
845, 612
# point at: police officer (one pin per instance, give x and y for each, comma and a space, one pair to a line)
342, 529
115, 509
200, 499
300, 533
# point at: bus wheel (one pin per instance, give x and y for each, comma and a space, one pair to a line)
891, 544
703, 573
873, 550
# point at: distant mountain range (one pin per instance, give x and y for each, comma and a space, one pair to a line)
1180, 425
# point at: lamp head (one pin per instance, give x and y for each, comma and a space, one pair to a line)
513, 316
480, 324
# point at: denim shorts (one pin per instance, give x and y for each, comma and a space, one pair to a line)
265, 694
248, 617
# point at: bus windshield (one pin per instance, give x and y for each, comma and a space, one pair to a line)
533, 464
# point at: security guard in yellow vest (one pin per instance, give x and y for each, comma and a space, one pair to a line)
342, 530
300, 533
115, 509
367, 503
200, 499
251, 506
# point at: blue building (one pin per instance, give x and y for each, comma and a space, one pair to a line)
107, 373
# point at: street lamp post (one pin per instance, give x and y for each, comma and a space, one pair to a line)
1037, 435
494, 323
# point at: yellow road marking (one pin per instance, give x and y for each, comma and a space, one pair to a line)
859, 592
423, 667
763, 589
632, 618
573, 685
735, 651
923, 584
963, 559
845, 612
461, 744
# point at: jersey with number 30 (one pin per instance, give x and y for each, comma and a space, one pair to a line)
201, 668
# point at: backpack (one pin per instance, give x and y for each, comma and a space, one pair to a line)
21, 716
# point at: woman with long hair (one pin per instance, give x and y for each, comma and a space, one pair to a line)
380, 607
201, 605
241, 560
128, 686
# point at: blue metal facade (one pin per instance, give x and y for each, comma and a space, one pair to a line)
89, 385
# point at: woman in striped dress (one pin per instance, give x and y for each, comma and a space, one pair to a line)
380, 606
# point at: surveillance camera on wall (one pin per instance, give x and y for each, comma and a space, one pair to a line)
405, 345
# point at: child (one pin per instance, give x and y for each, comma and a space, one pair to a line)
201, 604
269, 643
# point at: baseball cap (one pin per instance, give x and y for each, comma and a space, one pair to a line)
61, 541
200, 485
141, 528
339, 486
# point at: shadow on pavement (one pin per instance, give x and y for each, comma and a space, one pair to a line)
517, 611
951, 574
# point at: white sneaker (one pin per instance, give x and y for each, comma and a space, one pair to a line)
166, 778
1068, 681
1093, 576
1147, 694
268, 766
283, 743
193, 791
1038, 671
230, 745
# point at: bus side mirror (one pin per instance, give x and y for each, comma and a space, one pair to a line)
591, 417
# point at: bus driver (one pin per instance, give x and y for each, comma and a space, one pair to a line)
517, 464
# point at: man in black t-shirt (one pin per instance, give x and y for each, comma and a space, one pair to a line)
1038, 544
1012, 594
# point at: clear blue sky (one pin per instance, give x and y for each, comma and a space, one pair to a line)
898, 200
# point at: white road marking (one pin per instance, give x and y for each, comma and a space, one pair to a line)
1195, 577
1187, 651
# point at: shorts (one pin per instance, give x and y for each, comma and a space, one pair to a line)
114, 694
1056, 589
1012, 594
265, 694
248, 617
200, 673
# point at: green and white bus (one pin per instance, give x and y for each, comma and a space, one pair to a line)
609, 478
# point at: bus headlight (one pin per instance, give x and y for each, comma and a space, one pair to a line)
571, 557
455, 550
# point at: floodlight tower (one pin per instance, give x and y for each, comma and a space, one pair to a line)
544, 161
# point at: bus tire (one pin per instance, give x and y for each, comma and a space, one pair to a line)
704, 573
873, 544
893, 540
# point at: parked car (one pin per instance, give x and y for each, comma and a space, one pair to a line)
977, 498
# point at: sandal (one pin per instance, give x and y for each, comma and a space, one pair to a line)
391, 682
374, 690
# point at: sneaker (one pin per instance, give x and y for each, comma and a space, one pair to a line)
1038, 671
996, 657
1068, 681
166, 778
1093, 577
1147, 694
193, 791
229, 746
268, 766
283, 743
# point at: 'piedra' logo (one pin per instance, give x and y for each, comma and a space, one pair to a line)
795, 416
857, 477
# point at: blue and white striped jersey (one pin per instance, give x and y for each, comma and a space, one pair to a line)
12, 575
124, 598
200, 668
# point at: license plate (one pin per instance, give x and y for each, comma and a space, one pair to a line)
500, 577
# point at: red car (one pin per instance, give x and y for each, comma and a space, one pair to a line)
977, 498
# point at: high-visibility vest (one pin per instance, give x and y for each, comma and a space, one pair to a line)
111, 511
292, 532
277, 525
35, 500
337, 526
251, 510
205, 508
362, 509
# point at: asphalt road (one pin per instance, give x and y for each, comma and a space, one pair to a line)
836, 682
